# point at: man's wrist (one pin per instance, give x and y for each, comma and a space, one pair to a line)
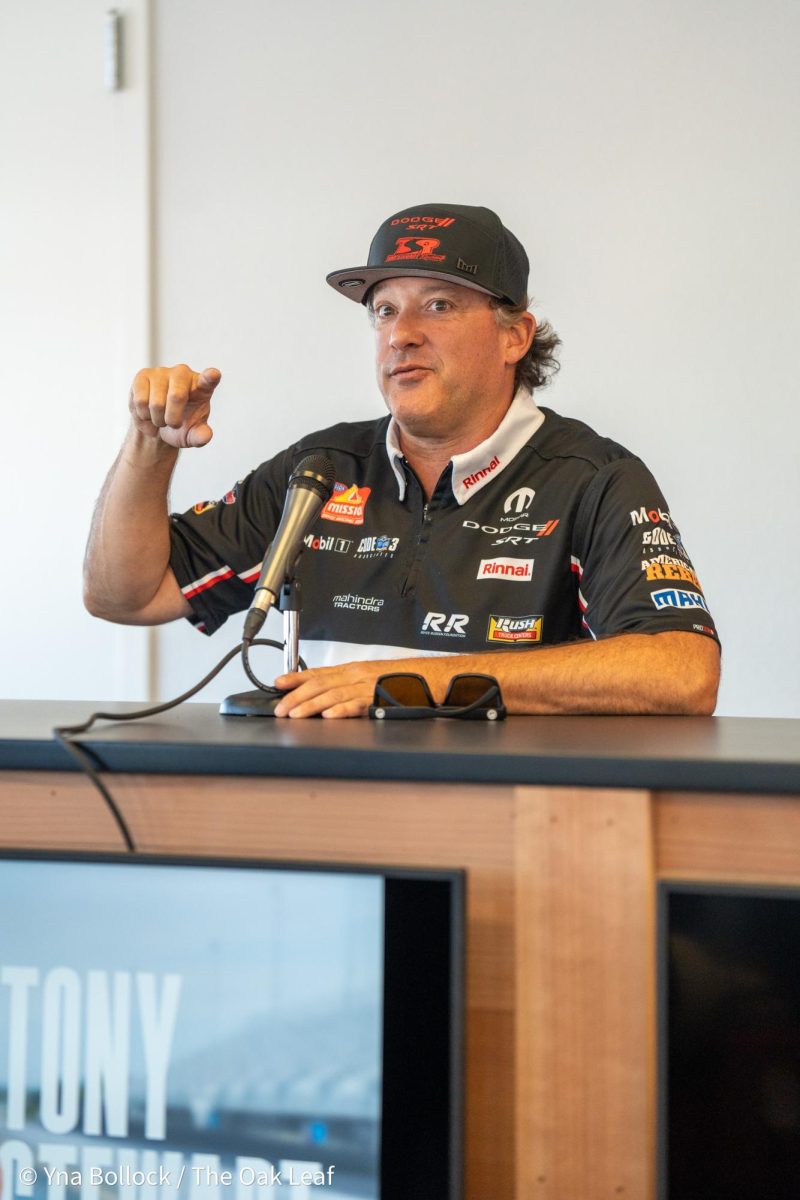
140, 451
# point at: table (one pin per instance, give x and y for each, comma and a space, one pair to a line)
564, 826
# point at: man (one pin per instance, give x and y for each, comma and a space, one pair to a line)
472, 527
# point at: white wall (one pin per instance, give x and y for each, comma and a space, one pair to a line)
74, 317
646, 154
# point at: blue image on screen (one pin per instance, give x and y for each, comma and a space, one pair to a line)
185, 1021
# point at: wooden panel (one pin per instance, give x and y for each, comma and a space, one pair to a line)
54, 810
332, 821
585, 995
727, 837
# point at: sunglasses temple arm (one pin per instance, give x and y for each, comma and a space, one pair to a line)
481, 702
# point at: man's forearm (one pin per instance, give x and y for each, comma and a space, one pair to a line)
670, 672
128, 550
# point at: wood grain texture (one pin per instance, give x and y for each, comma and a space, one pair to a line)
585, 995
719, 837
54, 810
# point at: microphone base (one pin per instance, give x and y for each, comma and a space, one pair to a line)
251, 704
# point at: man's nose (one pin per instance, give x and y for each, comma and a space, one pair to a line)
406, 331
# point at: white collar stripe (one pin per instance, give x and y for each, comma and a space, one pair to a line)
396, 458
473, 470
477, 467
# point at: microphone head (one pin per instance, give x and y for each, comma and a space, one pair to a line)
316, 474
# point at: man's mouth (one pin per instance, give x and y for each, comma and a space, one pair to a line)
408, 369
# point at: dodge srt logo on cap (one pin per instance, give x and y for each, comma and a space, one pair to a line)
422, 248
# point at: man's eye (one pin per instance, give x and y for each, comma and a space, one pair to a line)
382, 310
440, 305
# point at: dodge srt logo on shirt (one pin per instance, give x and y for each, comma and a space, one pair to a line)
516, 569
534, 532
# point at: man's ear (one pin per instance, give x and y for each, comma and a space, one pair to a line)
519, 337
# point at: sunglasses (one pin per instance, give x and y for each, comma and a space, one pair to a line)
407, 697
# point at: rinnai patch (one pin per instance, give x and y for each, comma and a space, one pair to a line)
515, 569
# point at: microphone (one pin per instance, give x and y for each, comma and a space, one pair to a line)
310, 487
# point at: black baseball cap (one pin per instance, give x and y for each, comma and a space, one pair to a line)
462, 244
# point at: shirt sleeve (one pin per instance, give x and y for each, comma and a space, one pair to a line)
217, 546
635, 575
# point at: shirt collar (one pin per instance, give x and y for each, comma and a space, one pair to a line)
477, 467
396, 458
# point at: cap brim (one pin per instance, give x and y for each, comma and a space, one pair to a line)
356, 281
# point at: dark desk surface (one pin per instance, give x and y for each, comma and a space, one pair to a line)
689, 753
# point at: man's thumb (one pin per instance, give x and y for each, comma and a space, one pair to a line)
210, 377
199, 435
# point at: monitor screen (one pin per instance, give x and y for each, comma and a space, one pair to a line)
206, 1030
729, 1035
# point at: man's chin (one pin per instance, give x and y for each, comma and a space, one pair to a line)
416, 406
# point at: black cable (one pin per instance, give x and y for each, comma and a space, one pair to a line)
90, 762
250, 673
83, 758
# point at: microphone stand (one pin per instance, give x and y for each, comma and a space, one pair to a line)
262, 702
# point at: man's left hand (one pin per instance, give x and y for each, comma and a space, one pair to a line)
344, 691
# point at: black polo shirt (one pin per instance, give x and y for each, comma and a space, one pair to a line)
545, 533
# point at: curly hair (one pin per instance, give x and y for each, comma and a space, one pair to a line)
538, 366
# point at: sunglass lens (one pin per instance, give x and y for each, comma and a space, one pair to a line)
466, 689
409, 690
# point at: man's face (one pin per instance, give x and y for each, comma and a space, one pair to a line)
441, 357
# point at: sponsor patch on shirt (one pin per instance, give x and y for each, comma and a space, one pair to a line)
229, 498
519, 532
347, 504
476, 476
515, 569
318, 542
372, 604
518, 502
678, 598
445, 624
515, 629
671, 569
653, 516
377, 547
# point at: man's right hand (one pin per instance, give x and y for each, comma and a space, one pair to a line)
173, 404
